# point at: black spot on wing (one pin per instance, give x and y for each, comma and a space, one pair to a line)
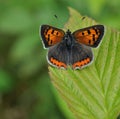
96, 31
51, 42
48, 37
83, 33
52, 31
94, 37
57, 33
89, 41
88, 31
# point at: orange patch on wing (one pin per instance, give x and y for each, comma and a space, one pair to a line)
57, 63
53, 36
87, 37
81, 63
90, 36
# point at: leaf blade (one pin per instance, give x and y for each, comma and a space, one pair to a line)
93, 92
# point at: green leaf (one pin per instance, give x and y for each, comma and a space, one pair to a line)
93, 92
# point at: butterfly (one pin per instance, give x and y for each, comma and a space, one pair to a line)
71, 49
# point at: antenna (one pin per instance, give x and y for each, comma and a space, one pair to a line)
56, 16
59, 21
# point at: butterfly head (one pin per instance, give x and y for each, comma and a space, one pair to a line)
68, 38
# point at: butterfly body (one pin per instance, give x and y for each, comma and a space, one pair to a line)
70, 49
68, 39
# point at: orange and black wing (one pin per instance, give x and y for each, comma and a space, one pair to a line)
51, 35
90, 36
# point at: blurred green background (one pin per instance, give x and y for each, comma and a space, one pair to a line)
25, 88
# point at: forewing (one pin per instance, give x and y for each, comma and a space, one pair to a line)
51, 35
90, 36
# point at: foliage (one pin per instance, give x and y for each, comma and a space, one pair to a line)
93, 92
25, 88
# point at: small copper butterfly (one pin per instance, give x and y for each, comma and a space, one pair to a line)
71, 49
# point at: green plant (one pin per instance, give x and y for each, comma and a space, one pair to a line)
93, 92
